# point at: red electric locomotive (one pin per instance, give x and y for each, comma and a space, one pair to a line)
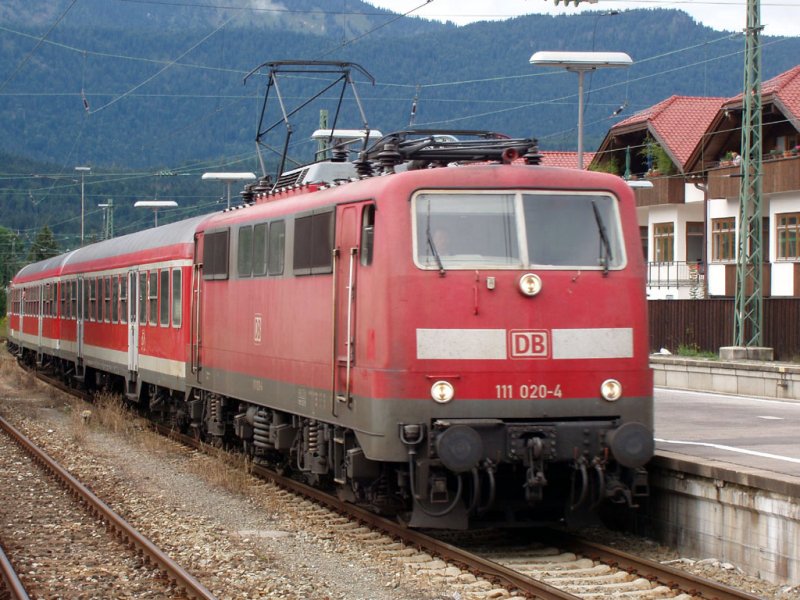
438, 330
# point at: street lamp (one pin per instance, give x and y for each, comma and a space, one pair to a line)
83, 171
155, 205
580, 62
229, 178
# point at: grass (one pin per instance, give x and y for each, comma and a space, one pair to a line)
3, 327
693, 351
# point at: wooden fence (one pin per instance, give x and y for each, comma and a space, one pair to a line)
708, 325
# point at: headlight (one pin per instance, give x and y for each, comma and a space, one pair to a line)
442, 392
611, 390
530, 284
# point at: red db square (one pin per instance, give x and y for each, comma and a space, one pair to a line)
531, 343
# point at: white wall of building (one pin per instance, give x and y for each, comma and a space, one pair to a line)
782, 279
715, 271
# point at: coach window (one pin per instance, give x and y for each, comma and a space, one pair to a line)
216, 255
115, 299
108, 304
277, 246
244, 252
152, 296
92, 299
259, 250
313, 243
177, 307
142, 298
86, 302
99, 299
367, 234
164, 298
74, 300
123, 299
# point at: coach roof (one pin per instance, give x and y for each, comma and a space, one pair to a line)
148, 241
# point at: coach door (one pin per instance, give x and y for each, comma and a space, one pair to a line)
133, 320
197, 279
345, 276
79, 318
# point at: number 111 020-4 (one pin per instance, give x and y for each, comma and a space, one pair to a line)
527, 391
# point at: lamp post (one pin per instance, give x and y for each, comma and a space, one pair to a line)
229, 178
580, 63
83, 171
155, 205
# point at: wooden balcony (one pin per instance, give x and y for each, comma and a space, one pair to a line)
779, 175
665, 190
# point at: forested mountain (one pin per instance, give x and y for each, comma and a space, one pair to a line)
142, 88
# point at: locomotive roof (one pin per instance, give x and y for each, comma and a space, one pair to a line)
181, 232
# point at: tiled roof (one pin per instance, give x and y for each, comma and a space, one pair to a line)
785, 88
677, 123
565, 159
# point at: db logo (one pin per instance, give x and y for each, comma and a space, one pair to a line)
257, 329
531, 343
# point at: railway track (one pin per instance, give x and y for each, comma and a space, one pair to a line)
561, 566
39, 537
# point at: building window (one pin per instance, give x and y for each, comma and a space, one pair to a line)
664, 242
695, 236
645, 242
723, 239
788, 230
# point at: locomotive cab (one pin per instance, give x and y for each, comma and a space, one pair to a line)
523, 329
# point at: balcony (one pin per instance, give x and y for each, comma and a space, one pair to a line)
665, 190
677, 275
779, 175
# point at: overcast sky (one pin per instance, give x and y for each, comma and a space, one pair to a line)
780, 17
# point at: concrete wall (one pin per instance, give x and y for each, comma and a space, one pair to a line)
708, 511
746, 378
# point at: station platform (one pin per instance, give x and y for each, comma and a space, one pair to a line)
759, 434
725, 480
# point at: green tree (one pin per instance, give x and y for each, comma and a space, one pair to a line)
44, 246
9, 246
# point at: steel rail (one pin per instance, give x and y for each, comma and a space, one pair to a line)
173, 570
664, 574
9, 575
486, 568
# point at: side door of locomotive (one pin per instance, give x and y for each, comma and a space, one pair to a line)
133, 320
347, 244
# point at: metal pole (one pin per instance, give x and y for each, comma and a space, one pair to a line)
82, 209
83, 171
749, 265
580, 118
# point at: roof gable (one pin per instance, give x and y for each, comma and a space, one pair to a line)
677, 123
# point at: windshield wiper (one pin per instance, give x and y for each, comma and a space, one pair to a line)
601, 229
433, 249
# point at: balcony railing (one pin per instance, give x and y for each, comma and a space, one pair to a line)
779, 175
665, 190
677, 275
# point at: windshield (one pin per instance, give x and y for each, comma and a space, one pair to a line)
516, 230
